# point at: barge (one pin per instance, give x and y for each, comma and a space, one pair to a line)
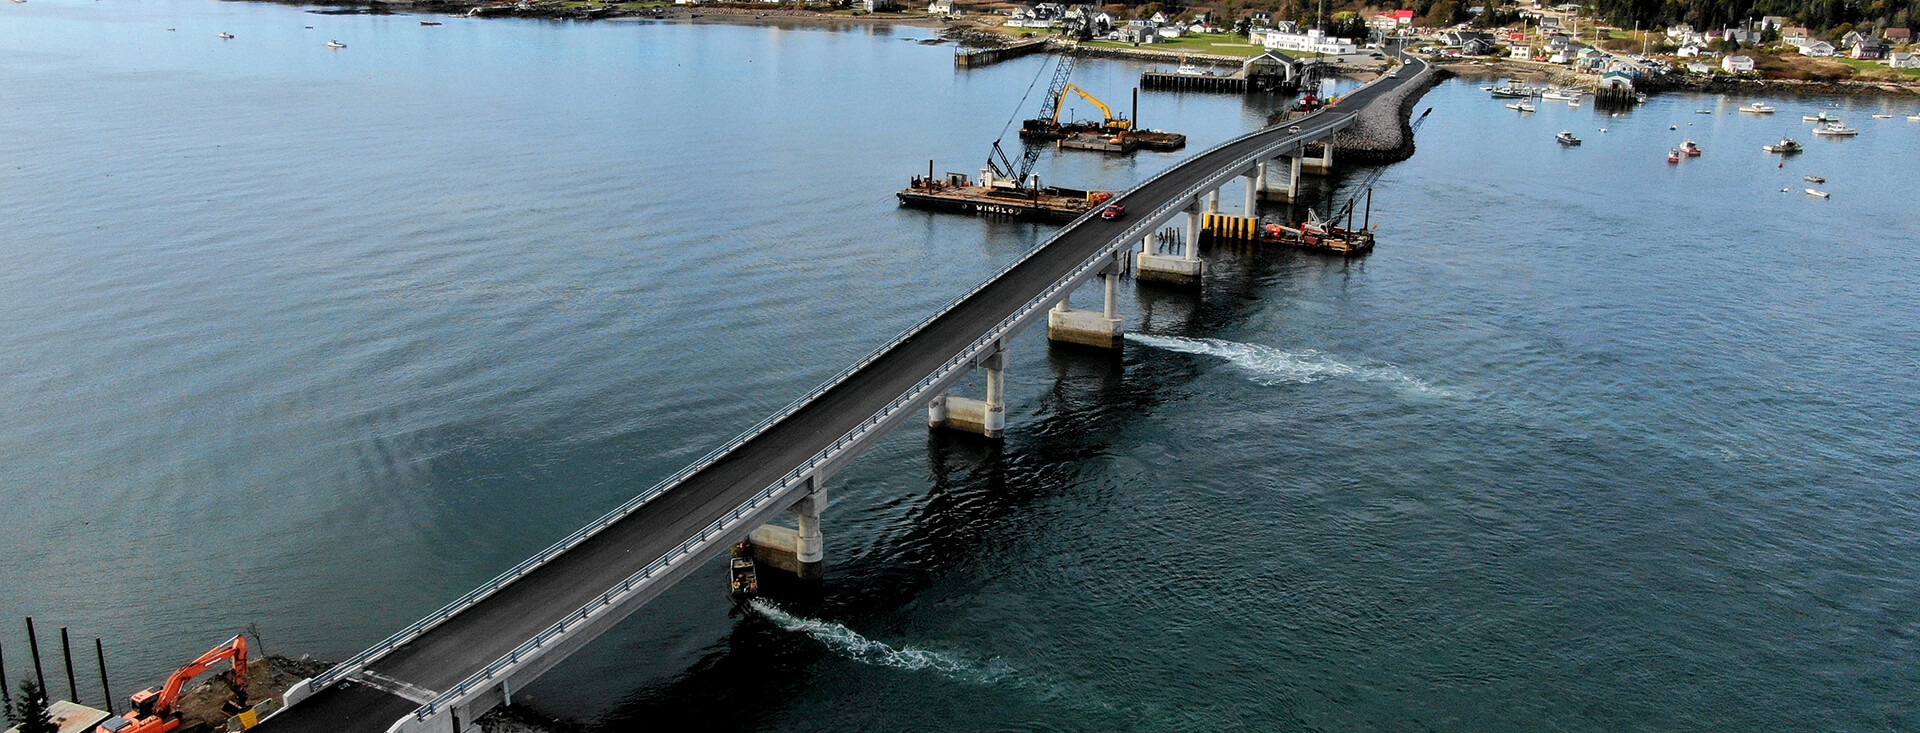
997, 196
1320, 236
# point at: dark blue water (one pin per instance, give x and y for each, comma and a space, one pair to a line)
318, 340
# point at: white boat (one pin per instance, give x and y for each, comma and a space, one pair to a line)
335, 44
1883, 117
1786, 145
1835, 129
225, 35
1566, 138
1573, 103
1703, 111
1913, 118
1813, 179
1822, 117
1562, 95
1521, 107
1757, 108
1817, 193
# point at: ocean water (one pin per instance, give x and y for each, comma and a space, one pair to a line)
316, 340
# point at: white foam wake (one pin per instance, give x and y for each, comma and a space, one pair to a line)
850, 644
1269, 366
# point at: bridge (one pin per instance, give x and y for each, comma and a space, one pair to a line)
444, 670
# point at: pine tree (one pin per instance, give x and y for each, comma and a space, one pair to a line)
30, 711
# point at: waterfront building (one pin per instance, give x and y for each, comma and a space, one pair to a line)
1737, 64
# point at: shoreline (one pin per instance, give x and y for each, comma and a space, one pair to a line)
1735, 86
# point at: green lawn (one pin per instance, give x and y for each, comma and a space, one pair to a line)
1876, 65
1223, 44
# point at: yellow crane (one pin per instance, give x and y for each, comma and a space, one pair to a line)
1112, 124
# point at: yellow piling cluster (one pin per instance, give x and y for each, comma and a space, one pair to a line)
1228, 226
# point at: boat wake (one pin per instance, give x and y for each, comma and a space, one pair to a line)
850, 644
1271, 367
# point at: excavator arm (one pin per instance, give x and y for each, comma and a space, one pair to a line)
1111, 122
233, 650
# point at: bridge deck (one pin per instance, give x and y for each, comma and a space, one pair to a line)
484, 632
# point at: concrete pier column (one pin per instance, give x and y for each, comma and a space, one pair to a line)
995, 424
801, 550
986, 417
1099, 329
1293, 177
1260, 177
1181, 269
1253, 192
1192, 251
1213, 201
937, 411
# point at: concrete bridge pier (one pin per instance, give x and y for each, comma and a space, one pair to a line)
1253, 179
1100, 329
800, 550
986, 417
1322, 163
1213, 201
1182, 269
1291, 191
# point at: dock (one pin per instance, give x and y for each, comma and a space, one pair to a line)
987, 56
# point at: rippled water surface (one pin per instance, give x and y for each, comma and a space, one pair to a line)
318, 340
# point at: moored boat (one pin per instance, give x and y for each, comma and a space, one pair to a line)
1521, 107
1835, 129
1817, 193
1566, 138
335, 44
1814, 179
1690, 149
1673, 156
1561, 94
1823, 117
1757, 108
224, 36
429, 22
1786, 145
1883, 116
1703, 111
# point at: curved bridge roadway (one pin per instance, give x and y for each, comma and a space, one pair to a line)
466, 657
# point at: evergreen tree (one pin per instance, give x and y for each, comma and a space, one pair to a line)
30, 711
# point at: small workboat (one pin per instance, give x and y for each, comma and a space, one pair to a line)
1814, 179
1822, 117
1690, 149
1883, 117
429, 22
1786, 145
1573, 103
335, 44
1560, 94
1673, 156
1835, 129
1566, 138
1757, 108
1817, 193
224, 35
743, 580
1521, 107
1913, 118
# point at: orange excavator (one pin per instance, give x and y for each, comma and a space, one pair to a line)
154, 708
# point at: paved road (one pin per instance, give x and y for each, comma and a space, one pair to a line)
468, 642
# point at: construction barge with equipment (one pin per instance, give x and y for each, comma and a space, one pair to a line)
996, 195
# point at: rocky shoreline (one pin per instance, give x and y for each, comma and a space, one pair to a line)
1739, 86
1384, 131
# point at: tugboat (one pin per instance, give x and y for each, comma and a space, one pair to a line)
1690, 149
743, 581
1786, 146
1566, 138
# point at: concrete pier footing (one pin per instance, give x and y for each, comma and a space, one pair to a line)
800, 551
1100, 329
988, 417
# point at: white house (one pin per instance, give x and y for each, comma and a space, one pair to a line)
1904, 59
1737, 64
1523, 53
1853, 38
1817, 48
1689, 51
1699, 68
940, 7
1313, 41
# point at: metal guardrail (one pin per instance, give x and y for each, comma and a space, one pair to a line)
966, 356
